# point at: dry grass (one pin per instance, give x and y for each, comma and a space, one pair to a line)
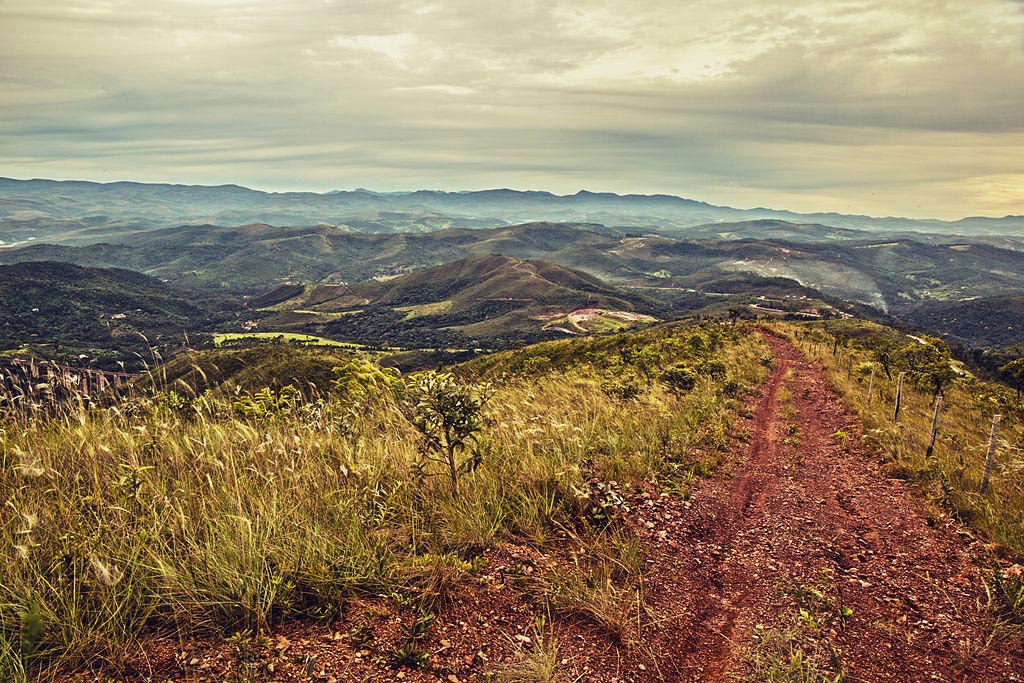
168, 513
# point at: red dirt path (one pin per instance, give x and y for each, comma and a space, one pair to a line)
800, 504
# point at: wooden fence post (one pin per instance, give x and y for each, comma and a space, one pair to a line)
871, 383
899, 396
993, 441
935, 428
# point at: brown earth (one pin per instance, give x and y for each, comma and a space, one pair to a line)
799, 506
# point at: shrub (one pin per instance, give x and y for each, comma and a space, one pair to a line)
601, 503
623, 387
266, 404
448, 415
679, 379
357, 378
712, 368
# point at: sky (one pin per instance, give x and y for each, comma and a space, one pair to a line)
883, 107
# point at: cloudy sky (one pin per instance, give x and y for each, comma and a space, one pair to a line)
886, 107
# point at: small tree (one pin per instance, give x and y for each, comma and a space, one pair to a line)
1014, 372
929, 363
448, 414
884, 349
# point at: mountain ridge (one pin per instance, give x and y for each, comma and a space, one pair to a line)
55, 210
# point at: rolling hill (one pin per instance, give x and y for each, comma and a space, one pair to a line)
252, 258
887, 274
99, 316
996, 321
486, 300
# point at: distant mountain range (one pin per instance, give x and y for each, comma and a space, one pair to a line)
78, 211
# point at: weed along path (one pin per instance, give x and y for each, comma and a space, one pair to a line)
800, 560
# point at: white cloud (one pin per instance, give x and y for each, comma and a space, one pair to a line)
448, 89
397, 46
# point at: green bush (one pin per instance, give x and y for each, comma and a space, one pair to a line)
679, 379
266, 404
447, 414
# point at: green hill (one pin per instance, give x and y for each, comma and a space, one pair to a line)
105, 315
479, 300
226, 371
468, 281
985, 322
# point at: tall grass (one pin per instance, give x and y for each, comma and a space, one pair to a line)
172, 514
953, 474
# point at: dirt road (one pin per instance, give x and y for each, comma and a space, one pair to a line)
802, 517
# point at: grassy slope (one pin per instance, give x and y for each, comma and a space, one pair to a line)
477, 301
466, 282
171, 513
227, 370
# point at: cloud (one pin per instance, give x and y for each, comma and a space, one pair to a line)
448, 89
397, 47
868, 105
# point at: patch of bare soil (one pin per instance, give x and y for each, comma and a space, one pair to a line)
798, 506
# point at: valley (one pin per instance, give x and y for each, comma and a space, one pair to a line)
415, 290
